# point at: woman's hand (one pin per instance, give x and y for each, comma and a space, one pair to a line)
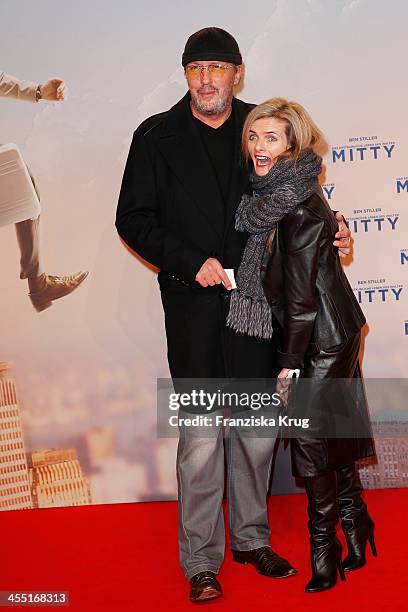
282, 385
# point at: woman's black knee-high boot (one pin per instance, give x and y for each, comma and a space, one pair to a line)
357, 525
325, 549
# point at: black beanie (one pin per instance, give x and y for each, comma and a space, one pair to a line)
211, 44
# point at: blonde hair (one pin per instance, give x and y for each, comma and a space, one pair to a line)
300, 129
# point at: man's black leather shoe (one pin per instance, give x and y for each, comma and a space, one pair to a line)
204, 586
267, 562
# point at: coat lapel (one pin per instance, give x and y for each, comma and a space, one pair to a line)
181, 146
239, 174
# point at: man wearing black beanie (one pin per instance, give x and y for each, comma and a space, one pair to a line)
181, 187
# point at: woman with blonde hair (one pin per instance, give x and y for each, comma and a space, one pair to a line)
291, 283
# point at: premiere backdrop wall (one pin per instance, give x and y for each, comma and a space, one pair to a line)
78, 381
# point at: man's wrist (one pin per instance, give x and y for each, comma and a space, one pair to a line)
38, 93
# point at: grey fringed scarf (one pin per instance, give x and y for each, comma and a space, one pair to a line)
286, 185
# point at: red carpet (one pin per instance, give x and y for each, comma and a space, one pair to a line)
124, 557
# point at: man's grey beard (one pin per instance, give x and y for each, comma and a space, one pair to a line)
217, 108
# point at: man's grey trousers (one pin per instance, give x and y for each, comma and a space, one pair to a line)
28, 238
200, 475
29, 243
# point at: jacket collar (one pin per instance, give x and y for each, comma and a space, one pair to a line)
183, 150
239, 174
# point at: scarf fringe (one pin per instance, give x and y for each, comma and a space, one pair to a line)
249, 316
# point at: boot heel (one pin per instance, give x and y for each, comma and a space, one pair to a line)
341, 570
372, 544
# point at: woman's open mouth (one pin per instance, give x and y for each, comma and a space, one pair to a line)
262, 160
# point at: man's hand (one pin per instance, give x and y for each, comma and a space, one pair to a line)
342, 236
54, 90
212, 273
